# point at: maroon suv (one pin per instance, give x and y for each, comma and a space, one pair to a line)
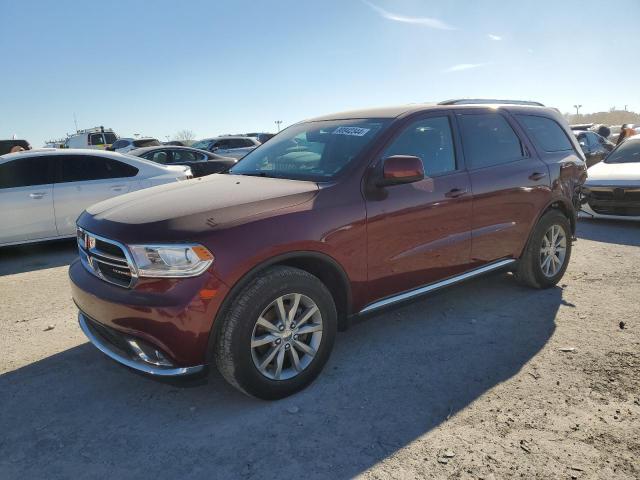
338, 216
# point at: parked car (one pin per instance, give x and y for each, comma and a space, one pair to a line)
261, 137
97, 138
125, 145
338, 216
7, 145
613, 187
201, 162
230, 146
42, 192
594, 146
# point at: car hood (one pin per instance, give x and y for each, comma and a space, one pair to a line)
187, 208
613, 173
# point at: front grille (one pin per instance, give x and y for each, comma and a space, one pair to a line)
620, 201
616, 210
106, 259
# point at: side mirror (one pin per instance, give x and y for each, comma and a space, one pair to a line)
401, 169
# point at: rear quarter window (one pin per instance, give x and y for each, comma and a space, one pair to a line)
546, 133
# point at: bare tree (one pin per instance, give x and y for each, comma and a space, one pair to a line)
184, 135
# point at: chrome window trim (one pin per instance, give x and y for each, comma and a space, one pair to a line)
434, 286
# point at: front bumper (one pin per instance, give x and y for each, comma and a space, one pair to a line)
130, 357
174, 316
612, 201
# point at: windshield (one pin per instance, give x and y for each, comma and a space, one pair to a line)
202, 144
627, 152
315, 151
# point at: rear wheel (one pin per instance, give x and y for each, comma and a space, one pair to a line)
278, 334
546, 257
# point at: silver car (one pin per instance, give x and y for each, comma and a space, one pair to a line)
228, 146
42, 192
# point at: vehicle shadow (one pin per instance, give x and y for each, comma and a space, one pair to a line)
609, 231
392, 378
31, 257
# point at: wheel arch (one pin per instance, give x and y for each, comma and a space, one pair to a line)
557, 204
324, 267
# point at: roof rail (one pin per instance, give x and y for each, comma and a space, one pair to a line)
489, 101
100, 129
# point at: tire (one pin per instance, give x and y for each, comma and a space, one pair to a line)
530, 270
239, 361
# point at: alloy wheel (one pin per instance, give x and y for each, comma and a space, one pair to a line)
553, 250
286, 336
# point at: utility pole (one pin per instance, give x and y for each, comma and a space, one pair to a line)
75, 120
577, 107
278, 123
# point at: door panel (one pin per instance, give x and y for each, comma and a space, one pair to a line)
420, 233
71, 199
26, 199
506, 202
510, 184
81, 182
26, 213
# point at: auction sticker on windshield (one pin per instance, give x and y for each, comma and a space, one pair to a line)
353, 131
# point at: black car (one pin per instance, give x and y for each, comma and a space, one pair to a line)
7, 145
594, 146
201, 162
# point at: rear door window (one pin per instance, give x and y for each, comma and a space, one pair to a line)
183, 156
488, 140
160, 156
79, 168
546, 133
27, 172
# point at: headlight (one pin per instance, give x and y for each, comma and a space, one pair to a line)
171, 260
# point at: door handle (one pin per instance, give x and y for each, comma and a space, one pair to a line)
455, 192
37, 195
537, 176
117, 188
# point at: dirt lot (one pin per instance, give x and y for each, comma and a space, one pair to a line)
469, 383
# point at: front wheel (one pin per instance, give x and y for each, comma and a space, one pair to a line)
278, 334
547, 254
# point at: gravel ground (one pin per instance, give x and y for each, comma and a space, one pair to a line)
472, 382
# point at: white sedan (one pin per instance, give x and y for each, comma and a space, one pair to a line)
612, 189
42, 192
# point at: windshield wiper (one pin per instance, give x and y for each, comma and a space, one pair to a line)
256, 174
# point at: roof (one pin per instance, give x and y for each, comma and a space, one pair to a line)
226, 137
138, 138
59, 151
401, 110
489, 101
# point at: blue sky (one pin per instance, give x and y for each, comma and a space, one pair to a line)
233, 66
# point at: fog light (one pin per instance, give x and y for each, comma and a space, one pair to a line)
148, 354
